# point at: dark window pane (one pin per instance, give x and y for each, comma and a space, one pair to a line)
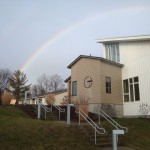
137, 92
136, 79
126, 98
126, 86
130, 80
108, 85
74, 88
131, 93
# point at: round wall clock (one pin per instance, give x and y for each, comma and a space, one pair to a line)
88, 82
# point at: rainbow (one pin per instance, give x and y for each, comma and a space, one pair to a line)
60, 34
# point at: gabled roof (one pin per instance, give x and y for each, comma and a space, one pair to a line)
124, 39
69, 78
94, 57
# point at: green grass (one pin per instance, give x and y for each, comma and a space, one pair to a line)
138, 135
19, 132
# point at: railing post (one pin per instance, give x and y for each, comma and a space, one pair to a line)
68, 113
45, 113
114, 139
99, 118
95, 135
39, 110
79, 117
51, 107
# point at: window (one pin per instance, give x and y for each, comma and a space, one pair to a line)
108, 85
126, 90
131, 89
112, 52
74, 88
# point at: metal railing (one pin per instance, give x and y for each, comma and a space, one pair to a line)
90, 122
56, 106
46, 109
38, 101
111, 121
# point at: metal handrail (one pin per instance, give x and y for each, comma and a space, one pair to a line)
46, 108
42, 105
90, 121
56, 106
112, 121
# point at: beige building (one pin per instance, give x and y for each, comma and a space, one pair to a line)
58, 96
96, 81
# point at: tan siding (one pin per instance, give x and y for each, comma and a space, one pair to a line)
69, 90
114, 72
83, 68
59, 98
98, 70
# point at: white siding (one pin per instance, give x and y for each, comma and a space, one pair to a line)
104, 53
136, 59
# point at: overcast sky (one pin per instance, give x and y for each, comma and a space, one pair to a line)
61, 30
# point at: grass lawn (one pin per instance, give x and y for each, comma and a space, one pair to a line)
138, 135
19, 132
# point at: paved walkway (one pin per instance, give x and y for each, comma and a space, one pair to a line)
119, 148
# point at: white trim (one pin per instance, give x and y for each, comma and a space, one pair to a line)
124, 39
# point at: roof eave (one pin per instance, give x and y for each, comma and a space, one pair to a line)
93, 57
69, 78
124, 39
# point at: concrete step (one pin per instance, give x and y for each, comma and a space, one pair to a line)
49, 116
102, 140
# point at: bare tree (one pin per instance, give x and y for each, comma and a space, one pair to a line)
43, 84
34, 89
56, 82
46, 83
5, 74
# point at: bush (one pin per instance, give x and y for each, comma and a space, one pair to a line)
6, 98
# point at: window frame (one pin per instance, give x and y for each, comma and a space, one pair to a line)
112, 52
74, 88
108, 85
132, 83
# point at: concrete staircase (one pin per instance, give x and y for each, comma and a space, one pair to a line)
49, 115
103, 140
32, 111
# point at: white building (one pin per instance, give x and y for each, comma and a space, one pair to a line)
134, 54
